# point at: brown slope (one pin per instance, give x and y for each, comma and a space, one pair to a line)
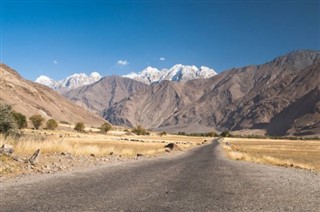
247, 98
242, 98
32, 98
102, 94
154, 105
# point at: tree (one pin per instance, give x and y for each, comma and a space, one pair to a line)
37, 120
139, 130
163, 133
226, 134
52, 124
20, 119
105, 127
7, 122
79, 127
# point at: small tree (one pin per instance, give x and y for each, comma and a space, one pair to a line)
163, 133
79, 127
20, 119
51, 124
139, 130
105, 127
7, 122
226, 134
212, 134
37, 120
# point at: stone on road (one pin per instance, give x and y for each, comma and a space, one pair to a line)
198, 180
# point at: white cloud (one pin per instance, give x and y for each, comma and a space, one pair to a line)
122, 62
162, 58
55, 62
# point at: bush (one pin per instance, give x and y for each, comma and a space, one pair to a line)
226, 134
37, 120
211, 134
64, 122
139, 130
105, 127
52, 124
181, 133
7, 122
163, 133
20, 119
79, 127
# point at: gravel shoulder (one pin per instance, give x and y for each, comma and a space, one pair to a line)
201, 179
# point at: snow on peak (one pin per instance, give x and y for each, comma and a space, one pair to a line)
178, 72
95, 75
70, 82
44, 80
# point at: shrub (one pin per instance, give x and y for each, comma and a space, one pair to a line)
7, 122
211, 134
20, 119
37, 120
64, 122
226, 134
79, 127
105, 127
51, 124
163, 133
139, 130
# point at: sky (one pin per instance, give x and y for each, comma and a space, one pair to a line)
59, 38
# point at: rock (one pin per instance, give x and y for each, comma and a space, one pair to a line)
6, 148
92, 155
167, 150
171, 146
34, 158
139, 155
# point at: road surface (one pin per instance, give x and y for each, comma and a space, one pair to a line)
198, 180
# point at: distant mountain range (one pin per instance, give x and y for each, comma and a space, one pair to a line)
178, 73
71, 82
280, 97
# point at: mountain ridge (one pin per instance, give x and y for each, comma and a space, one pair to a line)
240, 98
31, 98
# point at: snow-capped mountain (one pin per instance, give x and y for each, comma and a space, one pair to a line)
73, 81
44, 80
179, 73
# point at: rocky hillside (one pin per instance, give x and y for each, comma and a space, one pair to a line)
280, 97
32, 98
101, 95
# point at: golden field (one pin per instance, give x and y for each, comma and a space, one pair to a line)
65, 149
303, 154
116, 142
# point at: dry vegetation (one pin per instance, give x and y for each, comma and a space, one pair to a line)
63, 148
303, 154
116, 142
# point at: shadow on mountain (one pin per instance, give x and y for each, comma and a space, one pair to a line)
283, 121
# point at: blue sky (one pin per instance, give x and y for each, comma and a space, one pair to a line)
59, 38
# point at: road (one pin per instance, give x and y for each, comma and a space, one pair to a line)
198, 180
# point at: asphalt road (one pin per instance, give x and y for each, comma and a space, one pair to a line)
199, 180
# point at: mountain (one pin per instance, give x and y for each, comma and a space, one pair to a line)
280, 97
33, 98
104, 93
178, 73
71, 82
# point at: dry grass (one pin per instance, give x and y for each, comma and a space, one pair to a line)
94, 143
303, 154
